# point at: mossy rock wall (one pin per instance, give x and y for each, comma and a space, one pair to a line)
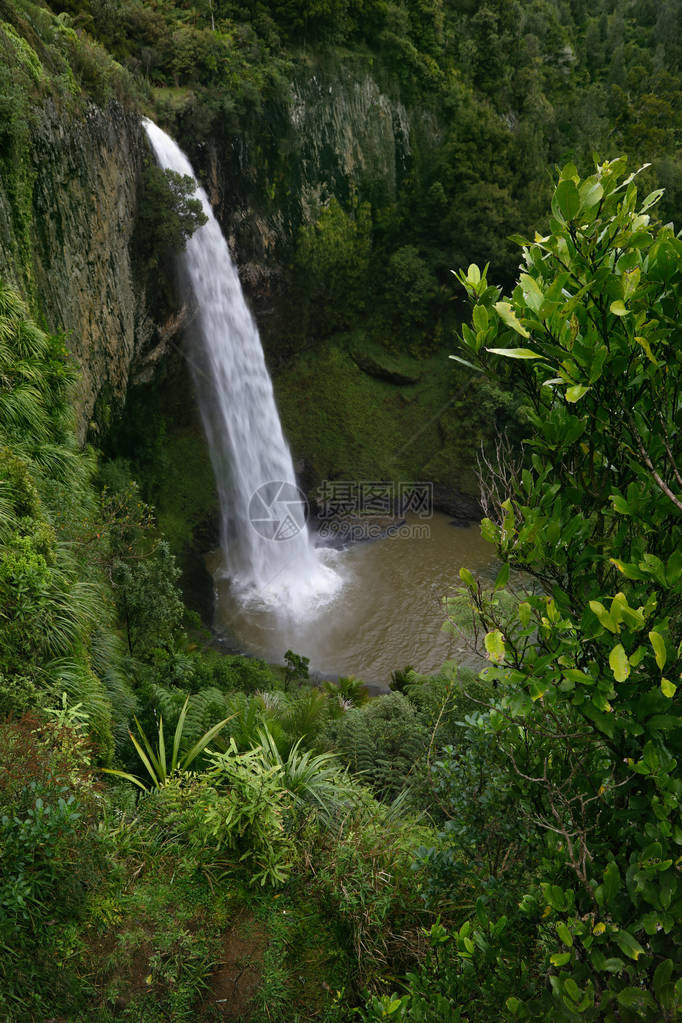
344, 423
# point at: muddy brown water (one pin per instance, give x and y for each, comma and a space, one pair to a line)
388, 614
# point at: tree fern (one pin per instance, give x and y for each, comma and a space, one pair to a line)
382, 742
304, 715
204, 709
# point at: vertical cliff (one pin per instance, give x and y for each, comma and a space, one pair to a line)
84, 207
339, 129
71, 154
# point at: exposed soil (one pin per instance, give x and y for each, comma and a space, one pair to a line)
237, 976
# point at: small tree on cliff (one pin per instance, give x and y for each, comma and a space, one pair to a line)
169, 213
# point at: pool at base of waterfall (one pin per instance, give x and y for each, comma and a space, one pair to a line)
387, 613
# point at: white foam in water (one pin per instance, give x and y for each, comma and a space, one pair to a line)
268, 550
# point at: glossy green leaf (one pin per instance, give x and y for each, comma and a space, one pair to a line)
502, 577
635, 998
612, 882
567, 198
532, 294
465, 362
628, 945
514, 353
591, 193
480, 317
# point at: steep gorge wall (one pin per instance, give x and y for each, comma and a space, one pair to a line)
340, 133
73, 260
341, 130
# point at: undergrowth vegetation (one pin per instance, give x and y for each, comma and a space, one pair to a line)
188, 835
158, 796
176, 823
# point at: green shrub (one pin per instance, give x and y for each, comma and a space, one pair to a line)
149, 601
241, 820
51, 856
586, 708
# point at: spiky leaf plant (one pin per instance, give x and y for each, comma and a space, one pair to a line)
156, 762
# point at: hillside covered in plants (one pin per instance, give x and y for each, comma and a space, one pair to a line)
463, 216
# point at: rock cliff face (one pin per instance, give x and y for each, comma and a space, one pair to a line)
78, 275
340, 131
337, 132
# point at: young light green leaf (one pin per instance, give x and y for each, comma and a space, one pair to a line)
658, 643
575, 393
668, 688
647, 349
514, 353
630, 282
619, 664
494, 644
531, 292
618, 308
466, 577
603, 615
508, 316
480, 317
560, 958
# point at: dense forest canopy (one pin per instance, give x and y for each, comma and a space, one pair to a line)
187, 834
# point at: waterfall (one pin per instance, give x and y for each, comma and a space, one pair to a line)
269, 555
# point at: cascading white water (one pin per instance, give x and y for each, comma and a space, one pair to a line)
265, 539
